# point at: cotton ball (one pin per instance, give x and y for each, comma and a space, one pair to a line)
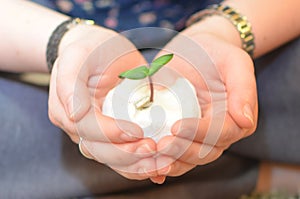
169, 105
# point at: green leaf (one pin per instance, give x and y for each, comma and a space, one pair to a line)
136, 73
158, 63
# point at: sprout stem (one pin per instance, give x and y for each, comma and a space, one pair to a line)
151, 89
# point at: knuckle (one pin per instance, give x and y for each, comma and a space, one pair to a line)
74, 138
229, 135
249, 132
52, 118
214, 154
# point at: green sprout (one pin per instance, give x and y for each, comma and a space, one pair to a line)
142, 72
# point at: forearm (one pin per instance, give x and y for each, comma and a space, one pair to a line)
25, 31
274, 23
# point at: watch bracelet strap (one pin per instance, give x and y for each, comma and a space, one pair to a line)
56, 37
239, 21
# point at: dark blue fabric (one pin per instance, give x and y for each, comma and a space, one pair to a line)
278, 133
38, 161
122, 15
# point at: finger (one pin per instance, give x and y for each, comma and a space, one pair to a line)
75, 63
189, 152
235, 71
74, 138
143, 169
119, 154
107, 75
240, 84
175, 168
218, 130
99, 128
71, 82
56, 111
158, 179
80, 68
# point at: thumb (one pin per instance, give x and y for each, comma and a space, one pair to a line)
242, 95
71, 83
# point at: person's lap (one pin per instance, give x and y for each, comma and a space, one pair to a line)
40, 161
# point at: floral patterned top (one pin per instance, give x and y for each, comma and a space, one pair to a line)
127, 14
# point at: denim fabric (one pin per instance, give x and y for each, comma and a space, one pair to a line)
38, 161
278, 132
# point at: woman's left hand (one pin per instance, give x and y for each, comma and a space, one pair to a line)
226, 90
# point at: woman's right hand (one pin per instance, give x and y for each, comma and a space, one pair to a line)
89, 61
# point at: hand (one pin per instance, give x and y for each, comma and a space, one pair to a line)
87, 67
223, 76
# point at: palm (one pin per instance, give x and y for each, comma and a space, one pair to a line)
224, 80
83, 74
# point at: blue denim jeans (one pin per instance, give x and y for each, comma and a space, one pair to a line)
277, 135
38, 160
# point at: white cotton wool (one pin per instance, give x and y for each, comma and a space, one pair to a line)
169, 105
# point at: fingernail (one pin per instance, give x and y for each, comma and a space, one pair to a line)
187, 133
128, 137
74, 106
247, 111
165, 171
147, 172
143, 172
164, 162
158, 179
145, 148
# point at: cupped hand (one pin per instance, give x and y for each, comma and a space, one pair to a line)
223, 76
90, 59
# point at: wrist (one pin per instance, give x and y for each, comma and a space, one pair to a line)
239, 21
218, 26
70, 31
85, 32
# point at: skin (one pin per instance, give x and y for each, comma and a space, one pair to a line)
241, 114
24, 39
